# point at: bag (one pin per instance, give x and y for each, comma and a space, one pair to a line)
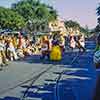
55, 53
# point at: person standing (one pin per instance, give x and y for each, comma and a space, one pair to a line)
62, 43
12, 51
19, 40
45, 47
3, 60
81, 43
72, 42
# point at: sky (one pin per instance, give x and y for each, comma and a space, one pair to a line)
82, 11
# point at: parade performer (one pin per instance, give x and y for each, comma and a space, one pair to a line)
80, 43
62, 43
56, 52
45, 47
72, 42
11, 50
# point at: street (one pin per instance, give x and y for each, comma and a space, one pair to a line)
73, 78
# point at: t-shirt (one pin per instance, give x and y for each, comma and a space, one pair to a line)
45, 46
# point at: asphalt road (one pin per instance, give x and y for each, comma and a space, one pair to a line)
73, 78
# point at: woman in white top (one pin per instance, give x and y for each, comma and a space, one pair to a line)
11, 50
72, 42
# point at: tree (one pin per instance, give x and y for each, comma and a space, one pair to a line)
85, 31
75, 25
36, 12
34, 9
72, 24
10, 19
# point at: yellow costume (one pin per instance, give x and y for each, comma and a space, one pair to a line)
55, 53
